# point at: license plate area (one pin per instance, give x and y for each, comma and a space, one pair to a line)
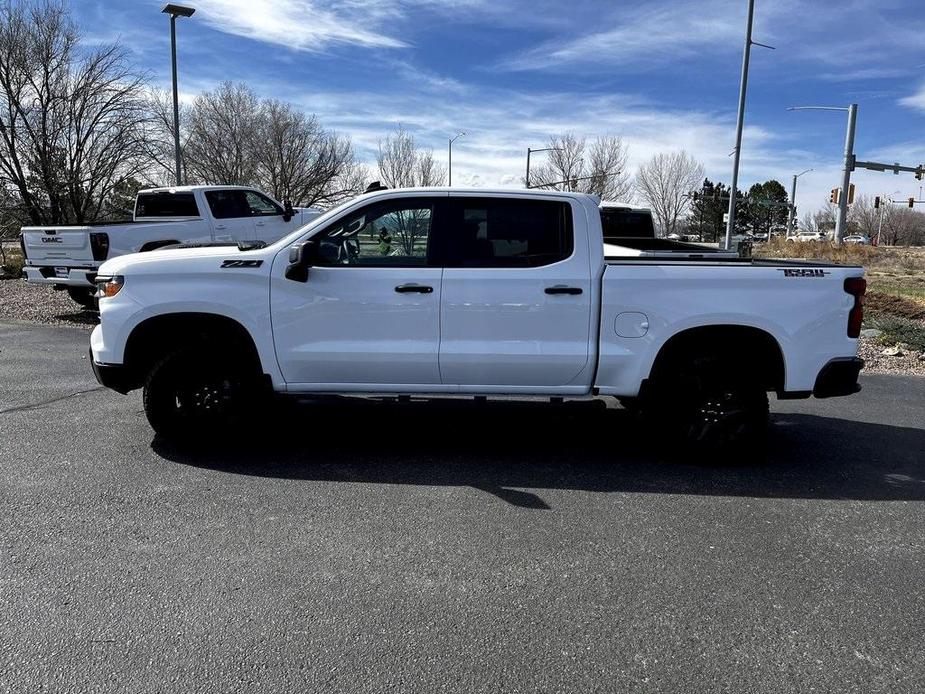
61, 273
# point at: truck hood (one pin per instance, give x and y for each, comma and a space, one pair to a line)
174, 258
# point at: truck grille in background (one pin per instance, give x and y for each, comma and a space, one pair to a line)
99, 244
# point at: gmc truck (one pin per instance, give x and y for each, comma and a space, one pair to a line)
67, 257
443, 291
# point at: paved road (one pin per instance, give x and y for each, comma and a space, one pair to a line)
453, 547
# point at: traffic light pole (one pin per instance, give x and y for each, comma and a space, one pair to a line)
841, 221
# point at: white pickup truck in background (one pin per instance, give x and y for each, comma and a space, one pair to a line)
479, 292
67, 257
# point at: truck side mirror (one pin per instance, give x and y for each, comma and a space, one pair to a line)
301, 258
288, 212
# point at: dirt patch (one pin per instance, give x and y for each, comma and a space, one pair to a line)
878, 302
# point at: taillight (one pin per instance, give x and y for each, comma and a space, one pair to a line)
22, 245
99, 244
856, 286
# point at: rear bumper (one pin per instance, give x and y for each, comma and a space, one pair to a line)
839, 377
75, 277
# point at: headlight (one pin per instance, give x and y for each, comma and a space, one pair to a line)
108, 285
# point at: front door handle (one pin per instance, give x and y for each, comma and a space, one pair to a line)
413, 289
562, 289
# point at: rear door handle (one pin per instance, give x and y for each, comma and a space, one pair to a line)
562, 289
413, 289
259, 224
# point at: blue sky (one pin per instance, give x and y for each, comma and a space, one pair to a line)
663, 74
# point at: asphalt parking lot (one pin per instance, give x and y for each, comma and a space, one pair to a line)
427, 547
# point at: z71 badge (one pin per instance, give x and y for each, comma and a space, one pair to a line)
241, 263
803, 272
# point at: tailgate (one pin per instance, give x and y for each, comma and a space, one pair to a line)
57, 245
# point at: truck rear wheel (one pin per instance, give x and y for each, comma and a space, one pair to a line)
709, 408
188, 395
83, 296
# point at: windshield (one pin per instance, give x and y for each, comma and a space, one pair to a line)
321, 219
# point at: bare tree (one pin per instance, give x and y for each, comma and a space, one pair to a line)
665, 182
402, 165
223, 126
300, 161
159, 137
572, 165
71, 121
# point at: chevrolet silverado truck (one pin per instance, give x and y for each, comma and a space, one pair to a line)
442, 291
67, 257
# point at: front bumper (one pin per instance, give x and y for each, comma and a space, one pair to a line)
75, 276
113, 376
839, 377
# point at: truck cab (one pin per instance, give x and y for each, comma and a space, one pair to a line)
67, 257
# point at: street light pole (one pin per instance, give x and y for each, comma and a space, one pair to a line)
793, 201
545, 149
841, 219
740, 123
451, 140
176, 11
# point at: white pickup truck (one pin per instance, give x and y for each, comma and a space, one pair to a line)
67, 257
480, 292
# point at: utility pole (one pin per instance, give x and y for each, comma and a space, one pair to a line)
176, 11
740, 120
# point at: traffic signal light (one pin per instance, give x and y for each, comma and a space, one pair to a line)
850, 193
877, 203
920, 171
834, 195
911, 202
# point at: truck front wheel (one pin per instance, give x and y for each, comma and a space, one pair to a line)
709, 408
187, 395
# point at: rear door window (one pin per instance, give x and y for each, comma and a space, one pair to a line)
496, 232
166, 204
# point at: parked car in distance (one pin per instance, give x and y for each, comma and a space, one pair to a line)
858, 239
448, 291
67, 257
809, 236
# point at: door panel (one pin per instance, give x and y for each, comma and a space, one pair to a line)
370, 310
525, 327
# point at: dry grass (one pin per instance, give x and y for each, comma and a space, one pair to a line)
12, 267
890, 270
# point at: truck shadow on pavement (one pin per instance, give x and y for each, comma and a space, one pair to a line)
510, 448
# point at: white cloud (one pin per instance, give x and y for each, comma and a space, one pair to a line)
303, 24
916, 101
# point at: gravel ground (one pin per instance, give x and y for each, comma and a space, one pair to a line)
21, 301
911, 363
41, 304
